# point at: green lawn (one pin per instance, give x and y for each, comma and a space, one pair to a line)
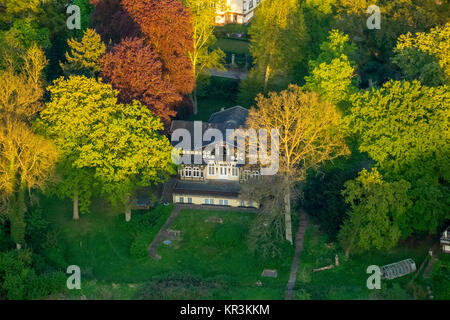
208, 105
233, 46
220, 93
348, 281
233, 28
440, 278
209, 261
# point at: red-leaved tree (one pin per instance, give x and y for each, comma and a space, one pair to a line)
112, 21
167, 27
133, 68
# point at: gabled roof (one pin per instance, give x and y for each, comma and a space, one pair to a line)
233, 118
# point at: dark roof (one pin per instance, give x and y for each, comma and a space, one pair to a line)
215, 188
233, 117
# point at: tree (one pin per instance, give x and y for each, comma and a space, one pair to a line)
419, 65
118, 143
435, 43
332, 74
130, 154
277, 38
19, 8
112, 21
75, 105
84, 56
267, 233
26, 159
376, 207
403, 126
202, 57
375, 47
132, 59
310, 131
167, 27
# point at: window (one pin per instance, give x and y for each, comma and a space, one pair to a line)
189, 200
211, 169
242, 203
221, 202
187, 172
196, 172
181, 200
209, 201
225, 202
234, 171
223, 170
206, 201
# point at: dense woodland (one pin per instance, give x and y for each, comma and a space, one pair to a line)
363, 116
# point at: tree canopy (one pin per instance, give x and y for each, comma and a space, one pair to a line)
133, 59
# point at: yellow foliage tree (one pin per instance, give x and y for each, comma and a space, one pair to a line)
310, 132
84, 55
435, 43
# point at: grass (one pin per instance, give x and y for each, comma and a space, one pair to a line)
208, 105
233, 46
348, 280
220, 93
209, 259
440, 277
233, 28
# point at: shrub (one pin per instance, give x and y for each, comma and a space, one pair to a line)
139, 247
19, 281
177, 287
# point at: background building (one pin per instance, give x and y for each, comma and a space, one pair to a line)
238, 11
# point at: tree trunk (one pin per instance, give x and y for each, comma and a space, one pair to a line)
76, 214
266, 78
287, 216
127, 209
17, 217
194, 101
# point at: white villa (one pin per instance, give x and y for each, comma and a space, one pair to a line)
215, 179
238, 11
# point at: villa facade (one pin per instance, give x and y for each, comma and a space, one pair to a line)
211, 172
237, 11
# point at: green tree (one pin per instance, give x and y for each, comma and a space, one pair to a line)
119, 143
419, 65
310, 134
202, 57
332, 74
127, 152
19, 8
434, 43
74, 107
403, 126
278, 35
375, 208
84, 56
375, 47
